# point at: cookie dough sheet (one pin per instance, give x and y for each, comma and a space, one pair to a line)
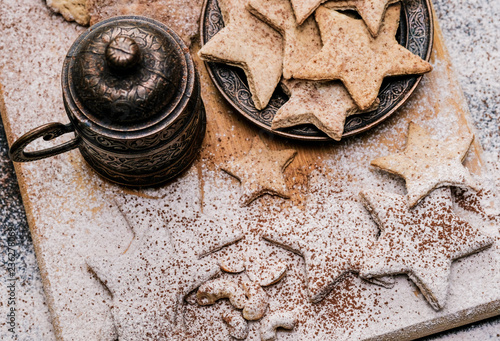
74, 215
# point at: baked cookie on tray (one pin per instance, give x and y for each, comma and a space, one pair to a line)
323, 104
361, 62
248, 43
300, 42
371, 11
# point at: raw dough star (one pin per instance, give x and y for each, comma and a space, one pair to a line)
427, 163
261, 171
372, 11
420, 242
332, 236
360, 61
248, 43
300, 42
324, 104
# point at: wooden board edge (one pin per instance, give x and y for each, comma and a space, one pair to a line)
465, 116
443, 323
21, 179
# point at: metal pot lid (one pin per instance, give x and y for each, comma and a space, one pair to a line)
127, 72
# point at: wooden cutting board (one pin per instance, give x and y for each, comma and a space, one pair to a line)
73, 214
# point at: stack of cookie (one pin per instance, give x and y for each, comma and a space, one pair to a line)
331, 64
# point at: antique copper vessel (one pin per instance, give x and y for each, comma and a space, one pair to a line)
132, 96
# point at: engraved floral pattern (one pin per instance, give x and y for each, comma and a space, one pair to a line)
127, 163
128, 96
166, 165
146, 142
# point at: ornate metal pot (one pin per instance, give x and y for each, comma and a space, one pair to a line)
132, 95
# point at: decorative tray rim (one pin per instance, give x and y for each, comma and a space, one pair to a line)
292, 132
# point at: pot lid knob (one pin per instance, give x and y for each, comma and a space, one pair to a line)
123, 53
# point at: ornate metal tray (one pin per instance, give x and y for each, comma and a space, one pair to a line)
415, 32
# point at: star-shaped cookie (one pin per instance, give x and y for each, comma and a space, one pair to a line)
372, 11
250, 44
420, 242
332, 236
427, 163
304, 8
300, 42
323, 104
261, 171
360, 61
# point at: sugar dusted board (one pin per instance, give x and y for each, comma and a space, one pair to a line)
73, 214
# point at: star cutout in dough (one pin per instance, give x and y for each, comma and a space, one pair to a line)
372, 11
250, 44
300, 42
176, 207
427, 163
323, 104
332, 236
360, 61
261, 171
420, 242
161, 266
148, 283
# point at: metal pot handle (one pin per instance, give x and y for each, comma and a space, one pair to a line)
48, 131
